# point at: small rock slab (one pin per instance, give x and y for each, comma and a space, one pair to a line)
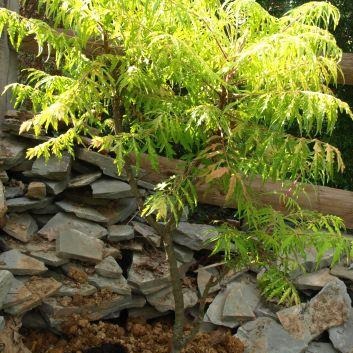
2, 323
265, 335
17, 294
120, 232
6, 280
117, 211
84, 180
20, 264
12, 152
23, 204
315, 280
183, 254
203, 276
36, 190
109, 268
116, 285
49, 258
163, 300
342, 336
330, 307
56, 187
63, 221
110, 189
84, 212
148, 233
40, 289
74, 244
54, 168
3, 206
21, 226
149, 274
4, 178
193, 235
13, 191
320, 347
70, 289
342, 272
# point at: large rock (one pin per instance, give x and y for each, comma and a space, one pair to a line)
84, 179
109, 268
40, 288
265, 335
63, 222
163, 300
110, 189
116, 285
120, 232
75, 245
342, 336
193, 235
82, 211
54, 168
329, 308
23, 204
234, 305
320, 347
342, 272
6, 280
21, 226
12, 152
315, 280
20, 264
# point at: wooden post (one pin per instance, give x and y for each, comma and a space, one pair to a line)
8, 63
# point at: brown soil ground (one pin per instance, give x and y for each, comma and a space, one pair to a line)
137, 337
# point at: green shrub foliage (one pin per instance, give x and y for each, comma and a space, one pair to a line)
216, 84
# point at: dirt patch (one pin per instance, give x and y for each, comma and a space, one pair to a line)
137, 337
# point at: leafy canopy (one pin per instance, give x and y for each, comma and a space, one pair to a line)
216, 84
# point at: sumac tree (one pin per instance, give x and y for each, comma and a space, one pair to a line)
218, 84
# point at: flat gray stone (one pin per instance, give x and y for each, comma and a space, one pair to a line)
342, 272
36, 190
2, 323
183, 254
21, 226
342, 336
70, 289
12, 152
105, 163
76, 245
48, 210
49, 258
110, 189
116, 285
329, 308
117, 211
203, 276
149, 274
40, 289
163, 300
320, 347
54, 168
20, 264
194, 236
84, 180
120, 232
265, 335
241, 301
13, 191
109, 268
147, 233
147, 312
314, 281
17, 294
6, 280
56, 187
66, 222
82, 211
23, 204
